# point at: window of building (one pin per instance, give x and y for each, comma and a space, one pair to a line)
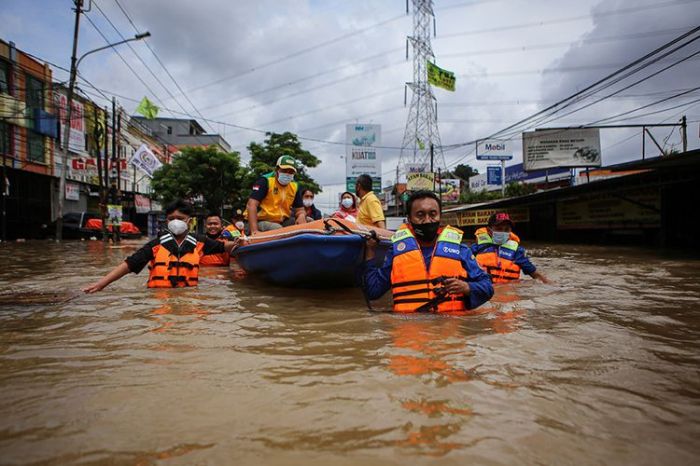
35, 147
170, 130
4, 77
35, 93
4, 138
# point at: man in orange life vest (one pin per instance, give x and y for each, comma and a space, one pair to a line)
214, 227
428, 268
173, 258
498, 251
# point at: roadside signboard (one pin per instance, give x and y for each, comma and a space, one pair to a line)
361, 155
494, 149
420, 181
555, 148
494, 175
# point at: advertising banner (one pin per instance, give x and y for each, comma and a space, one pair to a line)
633, 209
416, 167
450, 190
440, 78
420, 181
145, 161
114, 215
494, 149
481, 216
361, 155
77, 127
142, 203
561, 148
72, 192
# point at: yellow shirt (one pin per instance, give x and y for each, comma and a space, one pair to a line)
370, 210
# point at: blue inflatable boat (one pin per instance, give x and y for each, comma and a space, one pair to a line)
320, 254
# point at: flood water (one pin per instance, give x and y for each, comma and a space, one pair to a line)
602, 367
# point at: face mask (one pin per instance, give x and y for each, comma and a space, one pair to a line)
240, 225
177, 227
209, 235
285, 178
347, 203
426, 231
308, 202
500, 237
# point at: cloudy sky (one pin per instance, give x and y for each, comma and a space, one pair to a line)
311, 66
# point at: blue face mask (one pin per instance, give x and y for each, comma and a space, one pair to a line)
500, 237
285, 178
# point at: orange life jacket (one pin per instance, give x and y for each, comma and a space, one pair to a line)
498, 260
412, 284
168, 270
216, 260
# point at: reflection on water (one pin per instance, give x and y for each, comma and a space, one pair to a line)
601, 367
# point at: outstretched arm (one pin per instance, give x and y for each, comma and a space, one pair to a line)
116, 273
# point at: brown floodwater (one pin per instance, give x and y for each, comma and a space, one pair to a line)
602, 367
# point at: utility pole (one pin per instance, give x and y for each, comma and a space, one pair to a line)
114, 197
66, 130
684, 133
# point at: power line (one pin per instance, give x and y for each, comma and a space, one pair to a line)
160, 62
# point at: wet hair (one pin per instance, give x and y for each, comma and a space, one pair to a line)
422, 194
213, 214
352, 196
365, 182
307, 190
179, 205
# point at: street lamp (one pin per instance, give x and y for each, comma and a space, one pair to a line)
69, 102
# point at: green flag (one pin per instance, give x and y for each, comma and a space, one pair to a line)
147, 109
421, 146
441, 78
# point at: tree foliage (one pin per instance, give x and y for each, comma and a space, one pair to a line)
465, 171
201, 173
264, 157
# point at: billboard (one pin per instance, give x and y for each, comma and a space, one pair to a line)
449, 190
77, 127
494, 149
561, 148
361, 155
420, 181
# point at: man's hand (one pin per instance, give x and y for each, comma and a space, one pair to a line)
94, 288
456, 286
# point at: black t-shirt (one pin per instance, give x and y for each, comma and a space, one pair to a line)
138, 260
260, 190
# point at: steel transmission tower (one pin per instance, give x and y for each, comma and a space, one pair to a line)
421, 126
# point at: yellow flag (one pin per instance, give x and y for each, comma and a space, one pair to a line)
147, 108
441, 78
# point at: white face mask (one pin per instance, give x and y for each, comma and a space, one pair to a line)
347, 203
500, 237
285, 178
308, 202
177, 226
240, 225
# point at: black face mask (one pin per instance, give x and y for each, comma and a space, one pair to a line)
426, 231
213, 236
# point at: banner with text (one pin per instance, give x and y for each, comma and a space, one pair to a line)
494, 149
77, 127
361, 155
561, 148
420, 181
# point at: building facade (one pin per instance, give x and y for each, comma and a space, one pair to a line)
183, 133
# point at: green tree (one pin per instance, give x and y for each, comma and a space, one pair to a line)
519, 189
264, 157
201, 173
464, 171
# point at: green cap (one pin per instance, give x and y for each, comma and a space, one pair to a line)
287, 161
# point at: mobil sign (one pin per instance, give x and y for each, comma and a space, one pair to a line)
494, 149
